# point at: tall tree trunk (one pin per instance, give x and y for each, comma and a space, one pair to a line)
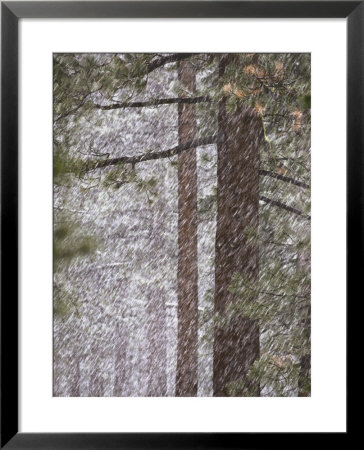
186, 377
304, 377
304, 264
236, 340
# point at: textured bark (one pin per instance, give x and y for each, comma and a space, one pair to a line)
236, 342
304, 378
186, 377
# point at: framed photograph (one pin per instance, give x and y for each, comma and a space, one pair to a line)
181, 191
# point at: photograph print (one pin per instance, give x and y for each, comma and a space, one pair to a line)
181, 215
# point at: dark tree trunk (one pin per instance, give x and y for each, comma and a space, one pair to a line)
304, 264
236, 341
304, 378
186, 377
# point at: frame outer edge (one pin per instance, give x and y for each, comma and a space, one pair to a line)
355, 164
9, 225
182, 9
10, 12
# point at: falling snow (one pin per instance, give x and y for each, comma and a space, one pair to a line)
117, 253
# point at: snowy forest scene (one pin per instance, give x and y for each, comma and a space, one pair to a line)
181, 215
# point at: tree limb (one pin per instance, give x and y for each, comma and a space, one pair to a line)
71, 111
283, 178
153, 65
163, 60
155, 155
150, 103
284, 206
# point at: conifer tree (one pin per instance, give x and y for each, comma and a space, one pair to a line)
263, 177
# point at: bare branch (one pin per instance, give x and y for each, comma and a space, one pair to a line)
283, 178
73, 110
155, 155
163, 60
284, 206
151, 103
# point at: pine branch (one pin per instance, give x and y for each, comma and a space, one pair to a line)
283, 178
163, 60
155, 155
285, 207
159, 62
150, 103
71, 111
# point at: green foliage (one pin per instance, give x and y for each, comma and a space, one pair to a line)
207, 206
277, 87
305, 101
280, 302
65, 165
64, 303
69, 242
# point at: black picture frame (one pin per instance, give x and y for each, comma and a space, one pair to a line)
11, 12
